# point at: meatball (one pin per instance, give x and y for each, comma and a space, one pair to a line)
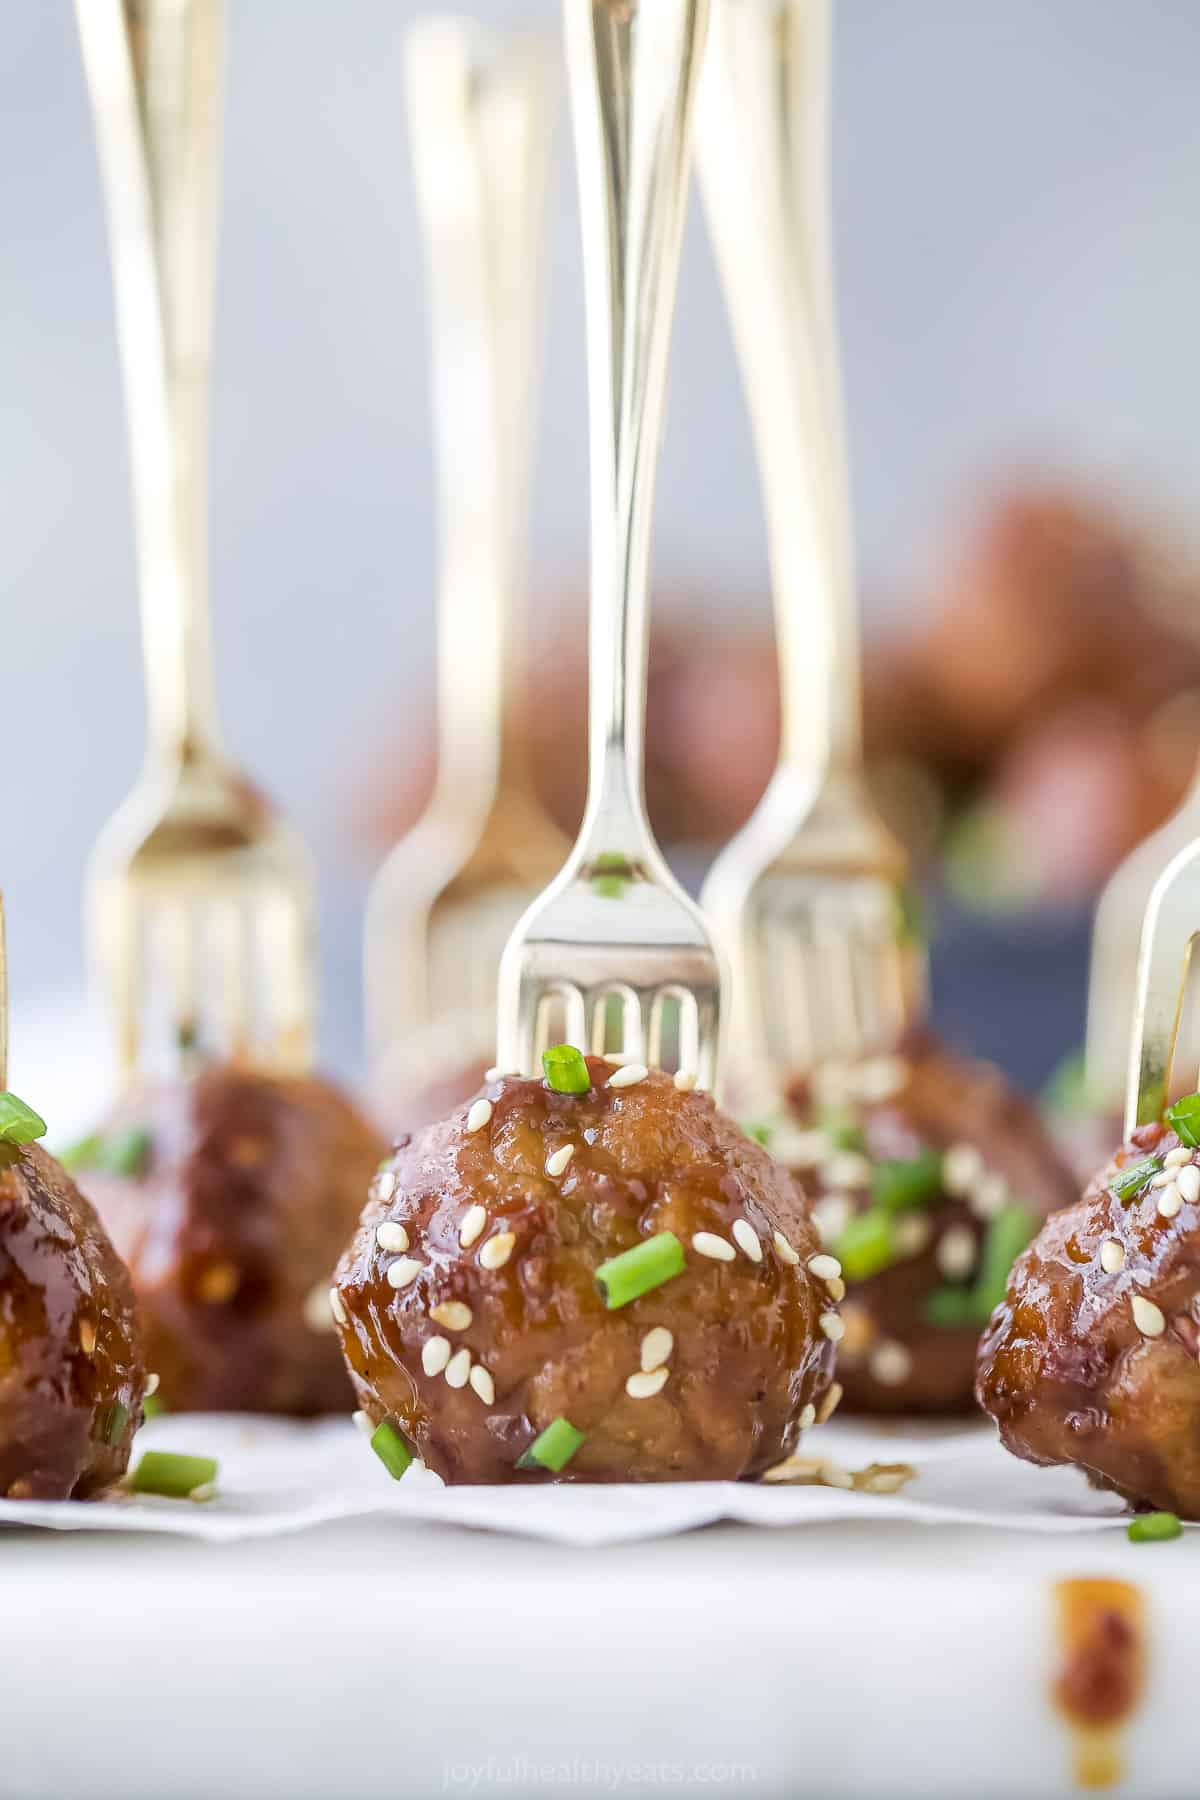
930, 1174
1091, 1358
72, 1372
496, 1286
231, 1196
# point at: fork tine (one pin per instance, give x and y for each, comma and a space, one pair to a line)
1172, 921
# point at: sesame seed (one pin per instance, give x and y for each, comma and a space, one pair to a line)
880, 1078
890, 1363
707, 1243
361, 1421
887, 1481
391, 1236
1169, 1202
1162, 1177
628, 1075
835, 1287
824, 1267
206, 1491
847, 1168
784, 1250
911, 1233
497, 1250
831, 1215
657, 1345
832, 1326
479, 1115
403, 1272
988, 1197
834, 1476
316, 1309
808, 1416
1175, 1159
474, 1220
87, 1337
493, 1074
861, 1331
795, 1468
453, 1314
1188, 1183
435, 1354
484, 1386
151, 1385
685, 1080
556, 1164
384, 1185
1112, 1256
646, 1383
962, 1166
829, 1402
337, 1307
955, 1253
798, 1149
1147, 1317
458, 1369
746, 1239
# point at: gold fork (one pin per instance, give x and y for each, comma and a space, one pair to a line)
199, 899
807, 900
481, 110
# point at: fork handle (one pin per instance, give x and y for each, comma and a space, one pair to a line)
481, 116
632, 67
154, 70
762, 140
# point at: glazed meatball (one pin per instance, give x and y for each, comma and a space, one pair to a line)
231, 1196
72, 1372
1091, 1359
929, 1175
494, 1287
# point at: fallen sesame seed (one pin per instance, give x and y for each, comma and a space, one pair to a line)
391, 1236
207, 1490
557, 1163
707, 1243
483, 1384
435, 1354
835, 1287
453, 1314
911, 1233
384, 1185
834, 1476
746, 1239
1112, 1256
829, 1402
1170, 1202
884, 1478
403, 1272
316, 1309
685, 1080
479, 1115
808, 1416
1175, 1159
1147, 1317
628, 1075
956, 1252
784, 1250
824, 1267
962, 1166
362, 1422
646, 1383
458, 1369
832, 1326
151, 1385
87, 1337
890, 1363
497, 1250
337, 1307
848, 1169
657, 1346
1188, 1183
474, 1220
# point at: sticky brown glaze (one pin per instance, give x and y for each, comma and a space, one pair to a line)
749, 1354
1101, 1677
72, 1371
251, 1186
893, 1359
1065, 1369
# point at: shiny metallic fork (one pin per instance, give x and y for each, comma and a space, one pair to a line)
614, 932
481, 110
1169, 933
199, 899
807, 900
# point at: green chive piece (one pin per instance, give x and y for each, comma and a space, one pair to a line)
1154, 1528
19, 1124
866, 1247
152, 1406
126, 1153
391, 1449
1184, 1120
949, 1308
759, 1131
162, 1472
624, 1278
915, 1182
1007, 1235
115, 1422
611, 873
82, 1154
842, 1129
565, 1069
553, 1448
1130, 1180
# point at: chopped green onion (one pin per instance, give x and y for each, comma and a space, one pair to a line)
611, 874
1130, 1180
125, 1153
115, 1422
565, 1069
1154, 1528
1006, 1237
842, 1129
1184, 1120
152, 1406
865, 1247
635, 1272
1068, 1093
162, 1472
82, 1153
897, 1185
759, 1131
391, 1449
19, 1124
950, 1308
553, 1448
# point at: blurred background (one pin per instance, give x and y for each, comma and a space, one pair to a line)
1018, 283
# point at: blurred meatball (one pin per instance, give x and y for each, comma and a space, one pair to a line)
231, 1196
1092, 1357
72, 1371
473, 1300
930, 1173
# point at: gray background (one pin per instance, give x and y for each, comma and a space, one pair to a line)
1019, 287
